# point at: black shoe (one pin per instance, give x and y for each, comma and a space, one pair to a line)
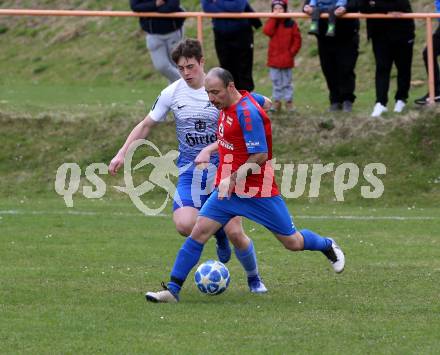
347, 106
424, 99
336, 106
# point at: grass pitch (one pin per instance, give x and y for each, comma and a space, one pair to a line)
73, 281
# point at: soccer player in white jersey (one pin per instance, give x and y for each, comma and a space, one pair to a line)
196, 126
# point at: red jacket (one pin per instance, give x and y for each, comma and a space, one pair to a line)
284, 43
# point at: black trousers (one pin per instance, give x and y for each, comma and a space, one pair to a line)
235, 52
338, 56
387, 52
436, 48
330, 11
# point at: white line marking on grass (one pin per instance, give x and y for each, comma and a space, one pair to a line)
127, 214
78, 213
360, 218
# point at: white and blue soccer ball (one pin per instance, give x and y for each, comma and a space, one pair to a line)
212, 277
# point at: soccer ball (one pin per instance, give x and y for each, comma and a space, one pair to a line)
212, 277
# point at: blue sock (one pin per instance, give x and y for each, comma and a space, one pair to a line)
313, 241
222, 239
248, 259
187, 257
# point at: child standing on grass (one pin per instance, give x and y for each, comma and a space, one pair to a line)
284, 44
328, 6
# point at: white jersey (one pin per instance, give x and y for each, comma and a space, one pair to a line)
196, 118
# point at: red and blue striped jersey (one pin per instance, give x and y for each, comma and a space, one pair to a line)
244, 129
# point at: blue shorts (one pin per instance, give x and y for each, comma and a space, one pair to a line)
270, 212
194, 186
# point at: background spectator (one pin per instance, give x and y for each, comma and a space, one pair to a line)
327, 6
338, 56
436, 47
284, 44
234, 40
162, 33
393, 42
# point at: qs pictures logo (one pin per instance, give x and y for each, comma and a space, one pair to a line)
68, 178
300, 177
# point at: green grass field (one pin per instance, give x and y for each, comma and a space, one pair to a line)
73, 281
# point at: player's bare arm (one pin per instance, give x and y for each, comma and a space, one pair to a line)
227, 185
204, 157
141, 131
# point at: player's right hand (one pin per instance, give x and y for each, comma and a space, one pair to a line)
115, 164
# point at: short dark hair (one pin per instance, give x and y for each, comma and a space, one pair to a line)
224, 75
187, 48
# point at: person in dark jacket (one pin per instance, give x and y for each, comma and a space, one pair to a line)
338, 56
162, 33
393, 42
284, 44
234, 40
436, 49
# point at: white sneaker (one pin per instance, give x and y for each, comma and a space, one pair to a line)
378, 110
164, 296
336, 257
399, 106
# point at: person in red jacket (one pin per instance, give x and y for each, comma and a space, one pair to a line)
284, 44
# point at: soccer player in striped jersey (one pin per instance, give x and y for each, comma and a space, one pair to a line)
196, 125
